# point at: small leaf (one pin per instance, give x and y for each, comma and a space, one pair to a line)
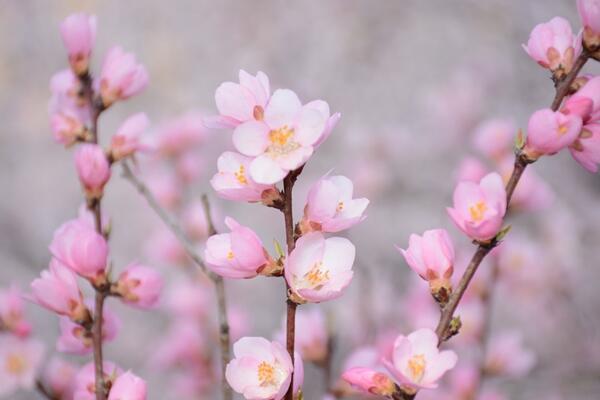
503, 232
278, 249
520, 140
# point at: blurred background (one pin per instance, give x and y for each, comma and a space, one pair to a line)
414, 82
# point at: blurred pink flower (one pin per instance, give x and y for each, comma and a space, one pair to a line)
471, 169
554, 46
195, 221
330, 206
139, 285
12, 312
548, 132
284, 139
128, 387
506, 355
165, 186
232, 181
238, 254
85, 380
67, 126
417, 363
319, 269
312, 338
181, 134
183, 345
589, 11
74, 338
494, 138
93, 169
78, 33
121, 76
532, 193
479, 208
189, 299
58, 376
81, 249
369, 381
586, 148
127, 141
164, 247
20, 360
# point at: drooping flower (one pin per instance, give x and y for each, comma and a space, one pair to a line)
479, 208
121, 76
554, 46
370, 381
238, 254
319, 269
80, 248
139, 285
330, 206
261, 370
126, 141
93, 169
416, 361
548, 132
586, 148
12, 311
233, 181
20, 360
589, 11
312, 338
85, 380
128, 387
78, 33
284, 138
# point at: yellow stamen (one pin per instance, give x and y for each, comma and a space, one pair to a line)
280, 137
416, 365
317, 276
340, 206
562, 129
230, 255
240, 175
266, 374
15, 364
477, 211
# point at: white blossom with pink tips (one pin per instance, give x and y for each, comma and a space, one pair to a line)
416, 361
233, 180
319, 269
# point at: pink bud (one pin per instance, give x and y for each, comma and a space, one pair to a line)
319, 269
233, 181
369, 381
589, 11
586, 149
548, 132
121, 76
81, 249
554, 46
59, 376
93, 169
12, 316
139, 286
128, 387
127, 139
330, 206
57, 291
75, 339
239, 254
85, 380
78, 33
416, 361
585, 102
20, 360
479, 208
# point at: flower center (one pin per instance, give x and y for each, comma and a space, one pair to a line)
266, 374
562, 129
316, 277
477, 211
15, 364
240, 175
230, 255
281, 141
340, 206
416, 366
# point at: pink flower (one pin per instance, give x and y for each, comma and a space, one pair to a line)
585, 102
59, 376
189, 299
233, 181
548, 132
195, 220
479, 208
127, 139
554, 46
532, 193
261, 370
239, 254
312, 338
56, 289
181, 134
93, 169
20, 360
243, 102
85, 381
284, 139
12, 312
416, 361
495, 138
589, 11
586, 149
432, 257
128, 387
78, 33
64, 85
471, 169
319, 269
330, 206
370, 381
508, 356
67, 127
139, 285
81, 249
74, 339
121, 76
183, 345
165, 187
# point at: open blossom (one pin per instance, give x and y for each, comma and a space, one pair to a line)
312, 338
585, 102
330, 206
58, 376
319, 269
78, 33
12, 310
139, 285
586, 148
128, 387
479, 208
126, 141
121, 76
239, 103
233, 181
93, 169
80, 248
75, 339
56, 289
261, 370
589, 11
238, 254
554, 46
416, 361
284, 138
548, 132
85, 380
20, 360
494, 138
432, 257
507, 356
370, 381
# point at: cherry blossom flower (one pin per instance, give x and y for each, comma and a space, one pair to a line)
370, 381
20, 360
93, 169
312, 338
12, 312
121, 76
589, 11
128, 387
78, 33
139, 285
548, 132
126, 141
